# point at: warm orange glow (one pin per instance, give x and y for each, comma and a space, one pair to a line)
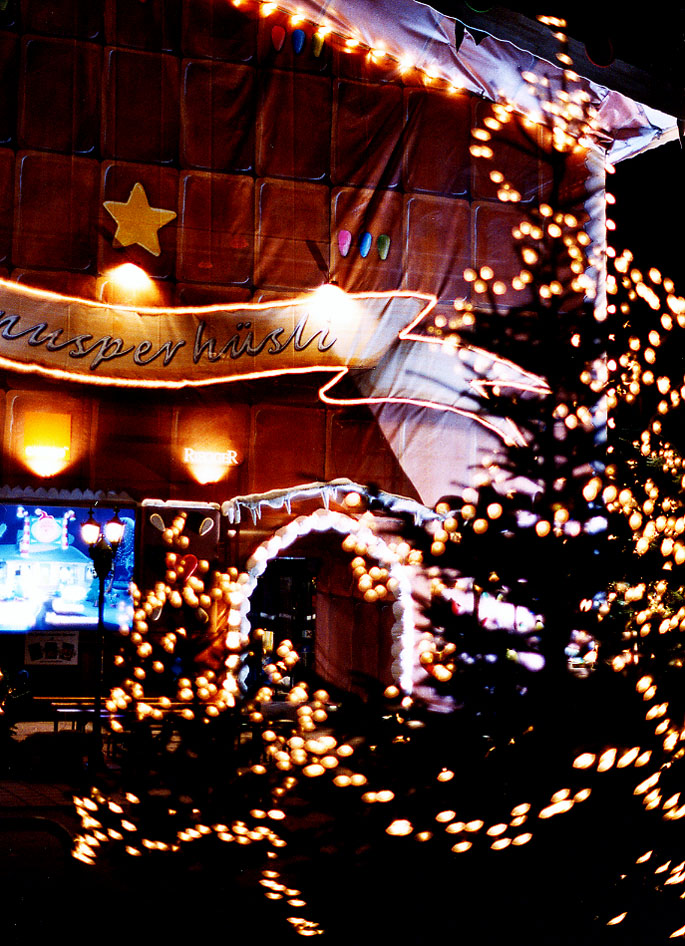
333, 300
130, 276
128, 284
400, 828
207, 465
47, 442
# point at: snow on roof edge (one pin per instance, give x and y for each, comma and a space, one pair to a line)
413, 32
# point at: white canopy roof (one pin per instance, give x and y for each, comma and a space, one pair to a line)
418, 35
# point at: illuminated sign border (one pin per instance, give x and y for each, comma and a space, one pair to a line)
426, 300
361, 353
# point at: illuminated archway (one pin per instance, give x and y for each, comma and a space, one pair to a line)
326, 520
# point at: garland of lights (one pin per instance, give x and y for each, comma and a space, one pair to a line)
309, 749
550, 112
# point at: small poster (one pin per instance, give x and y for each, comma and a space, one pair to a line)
54, 648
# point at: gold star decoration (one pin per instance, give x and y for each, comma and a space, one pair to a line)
138, 222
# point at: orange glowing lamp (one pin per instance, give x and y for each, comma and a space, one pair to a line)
47, 442
209, 466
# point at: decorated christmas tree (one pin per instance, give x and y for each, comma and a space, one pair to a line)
530, 541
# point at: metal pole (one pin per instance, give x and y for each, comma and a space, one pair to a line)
102, 555
96, 748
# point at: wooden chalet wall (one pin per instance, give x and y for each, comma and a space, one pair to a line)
266, 148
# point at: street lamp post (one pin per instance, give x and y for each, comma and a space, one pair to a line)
103, 544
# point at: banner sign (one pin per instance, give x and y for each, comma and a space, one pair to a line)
326, 330
369, 334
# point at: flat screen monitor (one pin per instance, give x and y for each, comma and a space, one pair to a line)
47, 579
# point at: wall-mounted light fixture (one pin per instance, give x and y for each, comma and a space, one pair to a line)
47, 442
209, 466
128, 284
332, 309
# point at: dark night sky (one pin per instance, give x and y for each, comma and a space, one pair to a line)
653, 40
650, 210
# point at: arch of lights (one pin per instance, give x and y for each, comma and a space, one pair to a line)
358, 534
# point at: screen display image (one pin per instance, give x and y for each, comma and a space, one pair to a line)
47, 579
